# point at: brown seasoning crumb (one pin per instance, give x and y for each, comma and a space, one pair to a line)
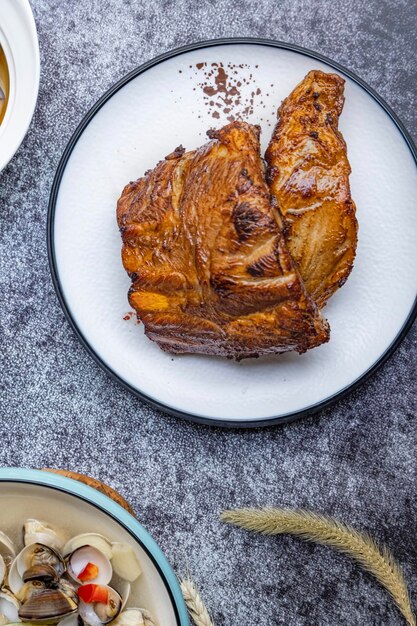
221, 86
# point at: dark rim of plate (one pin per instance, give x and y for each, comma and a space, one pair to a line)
51, 217
135, 537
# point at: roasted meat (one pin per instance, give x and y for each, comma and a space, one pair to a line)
204, 248
309, 176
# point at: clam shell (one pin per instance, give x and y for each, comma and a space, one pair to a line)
98, 613
35, 531
69, 588
14, 580
40, 571
39, 554
124, 588
48, 606
89, 539
30, 589
134, 617
9, 606
125, 562
3, 571
88, 554
7, 548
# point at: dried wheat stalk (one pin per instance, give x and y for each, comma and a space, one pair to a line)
195, 604
330, 532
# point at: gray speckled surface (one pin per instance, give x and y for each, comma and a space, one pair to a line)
356, 461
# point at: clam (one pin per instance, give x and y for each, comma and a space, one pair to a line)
134, 617
88, 564
99, 613
69, 588
95, 540
39, 554
123, 588
34, 562
3, 570
9, 606
125, 562
41, 571
30, 589
46, 605
146, 617
35, 531
7, 549
14, 579
34, 588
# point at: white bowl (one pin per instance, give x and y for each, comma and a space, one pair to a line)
19, 41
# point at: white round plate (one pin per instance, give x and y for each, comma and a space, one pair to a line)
144, 117
19, 40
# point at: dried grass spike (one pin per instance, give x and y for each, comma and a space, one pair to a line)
195, 604
335, 534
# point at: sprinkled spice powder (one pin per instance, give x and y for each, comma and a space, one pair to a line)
229, 90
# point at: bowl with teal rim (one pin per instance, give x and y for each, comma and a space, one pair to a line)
76, 508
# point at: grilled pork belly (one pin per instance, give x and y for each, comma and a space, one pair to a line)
309, 177
204, 247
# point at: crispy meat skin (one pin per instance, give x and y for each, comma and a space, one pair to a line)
204, 249
309, 176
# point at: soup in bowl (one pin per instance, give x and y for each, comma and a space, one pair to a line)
71, 556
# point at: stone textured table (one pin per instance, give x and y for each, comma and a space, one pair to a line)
357, 461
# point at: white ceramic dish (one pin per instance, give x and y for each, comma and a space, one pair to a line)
146, 116
76, 508
19, 40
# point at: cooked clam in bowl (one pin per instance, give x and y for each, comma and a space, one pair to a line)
49, 577
71, 556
